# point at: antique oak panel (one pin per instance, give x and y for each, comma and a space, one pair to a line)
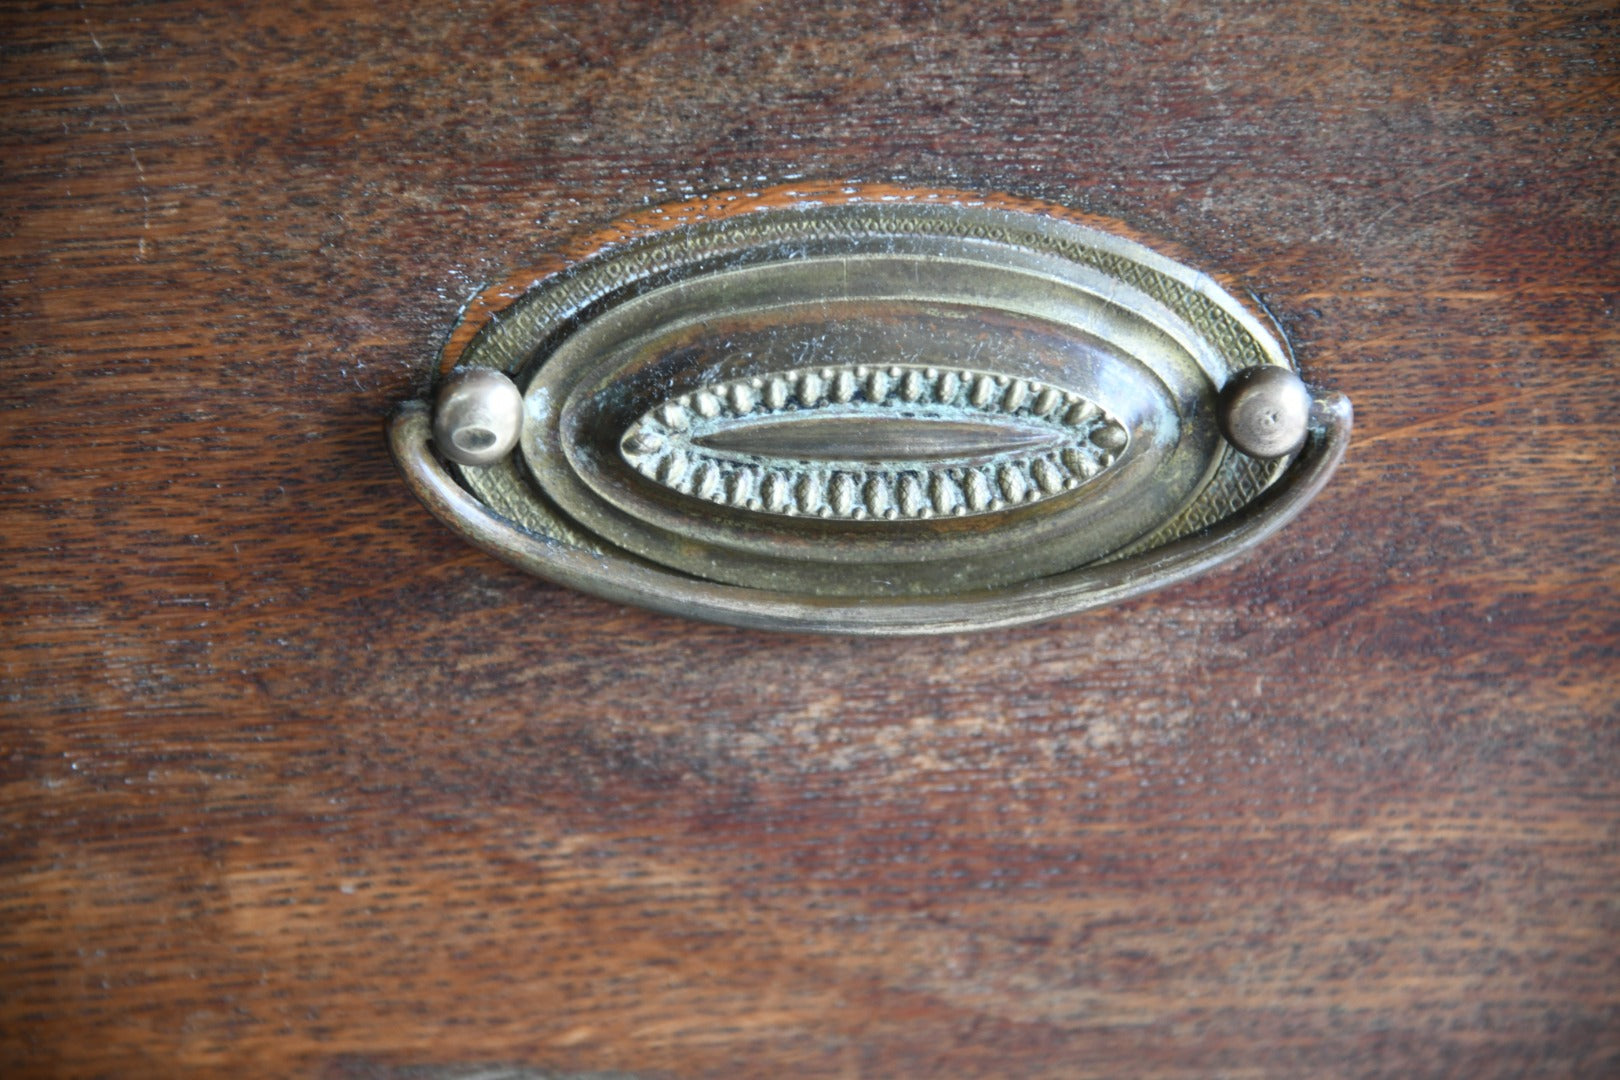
294, 782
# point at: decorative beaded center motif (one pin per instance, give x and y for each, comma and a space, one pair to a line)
874, 442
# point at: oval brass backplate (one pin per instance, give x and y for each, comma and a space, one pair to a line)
866, 409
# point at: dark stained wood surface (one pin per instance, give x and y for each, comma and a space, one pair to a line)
294, 782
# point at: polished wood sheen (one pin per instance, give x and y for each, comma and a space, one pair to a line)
293, 782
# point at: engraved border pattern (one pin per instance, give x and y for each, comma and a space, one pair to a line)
506, 343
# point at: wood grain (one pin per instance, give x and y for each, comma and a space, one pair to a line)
293, 782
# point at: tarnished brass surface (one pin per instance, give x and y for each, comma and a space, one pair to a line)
881, 416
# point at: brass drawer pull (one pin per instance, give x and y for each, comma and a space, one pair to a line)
867, 410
